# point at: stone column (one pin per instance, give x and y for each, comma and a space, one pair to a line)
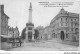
26, 38
33, 35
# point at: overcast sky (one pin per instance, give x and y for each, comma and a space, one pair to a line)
18, 11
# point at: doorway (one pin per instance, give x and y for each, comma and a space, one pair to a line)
62, 35
29, 36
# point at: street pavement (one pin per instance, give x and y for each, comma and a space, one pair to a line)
49, 45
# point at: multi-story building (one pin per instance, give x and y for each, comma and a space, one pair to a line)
13, 32
16, 32
4, 21
65, 26
47, 32
41, 32
10, 31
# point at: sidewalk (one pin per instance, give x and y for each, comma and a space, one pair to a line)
71, 43
5, 46
66, 42
47, 45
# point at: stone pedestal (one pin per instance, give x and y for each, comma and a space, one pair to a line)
29, 34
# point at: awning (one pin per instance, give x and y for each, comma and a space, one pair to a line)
5, 36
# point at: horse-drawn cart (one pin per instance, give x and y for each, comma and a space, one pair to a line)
15, 42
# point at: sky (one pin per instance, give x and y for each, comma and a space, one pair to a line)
18, 12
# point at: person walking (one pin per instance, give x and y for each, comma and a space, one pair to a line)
20, 41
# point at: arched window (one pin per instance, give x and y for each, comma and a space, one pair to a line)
71, 20
75, 19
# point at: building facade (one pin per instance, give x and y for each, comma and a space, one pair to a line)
3, 21
16, 32
47, 33
65, 26
10, 31
41, 32
13, 32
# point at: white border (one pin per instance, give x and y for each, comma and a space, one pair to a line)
41, 52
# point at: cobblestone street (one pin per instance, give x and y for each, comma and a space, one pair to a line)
50, 45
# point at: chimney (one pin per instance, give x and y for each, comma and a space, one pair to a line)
62, 9
2, 8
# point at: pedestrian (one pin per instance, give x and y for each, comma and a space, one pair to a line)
20, 41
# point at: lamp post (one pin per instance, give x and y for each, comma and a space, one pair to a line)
0, 31
13, 38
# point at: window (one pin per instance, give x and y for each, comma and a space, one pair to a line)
30, 28
61, 19
75, 24
66, 35
66, 24
76, 29
61, 24
72, 29
71, 19
66, 19
41, 37
71, 24
75, 19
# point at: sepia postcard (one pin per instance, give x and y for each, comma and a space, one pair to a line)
39, 25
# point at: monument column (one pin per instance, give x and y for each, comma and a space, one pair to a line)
30, 13
30, 26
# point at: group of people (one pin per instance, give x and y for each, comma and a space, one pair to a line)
15, 42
